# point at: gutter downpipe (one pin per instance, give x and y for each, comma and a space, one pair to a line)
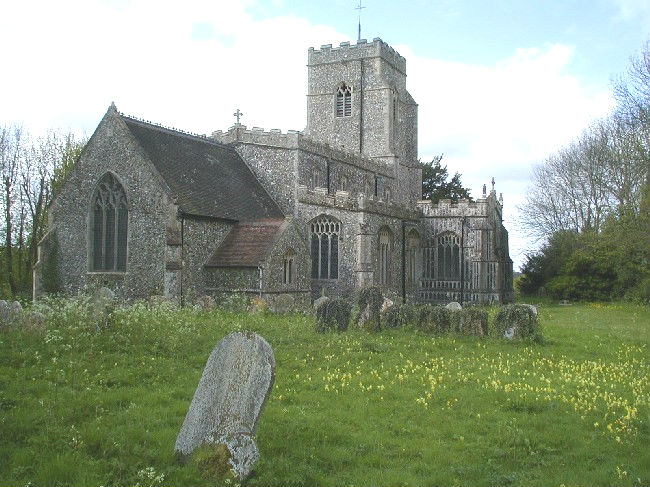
260, 271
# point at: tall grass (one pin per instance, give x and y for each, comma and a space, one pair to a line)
81, 406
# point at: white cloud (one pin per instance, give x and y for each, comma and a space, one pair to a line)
67, 61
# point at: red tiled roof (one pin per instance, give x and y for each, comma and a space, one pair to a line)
247, 244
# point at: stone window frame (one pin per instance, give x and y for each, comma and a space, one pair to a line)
113, 191
325, 233
344, 183
343, 100
316, 178
413, 244
385, 239
289, 267
447, 256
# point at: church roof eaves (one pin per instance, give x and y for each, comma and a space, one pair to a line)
208, 179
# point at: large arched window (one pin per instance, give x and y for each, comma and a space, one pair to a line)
109, 224
412, 247
344, 101
385, 248
448, 256
325, 232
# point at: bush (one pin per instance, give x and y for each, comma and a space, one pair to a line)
399, 315
518, 320
370, 302
473, 321
333, 314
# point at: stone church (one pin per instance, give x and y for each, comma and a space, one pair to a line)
149, 210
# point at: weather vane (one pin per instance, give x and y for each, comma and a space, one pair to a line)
359, 7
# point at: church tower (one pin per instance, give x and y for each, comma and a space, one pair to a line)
357, 101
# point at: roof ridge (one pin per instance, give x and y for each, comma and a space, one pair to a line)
174, 130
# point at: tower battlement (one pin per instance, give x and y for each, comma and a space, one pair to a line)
361, 50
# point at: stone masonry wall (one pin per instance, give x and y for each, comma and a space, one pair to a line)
112, 148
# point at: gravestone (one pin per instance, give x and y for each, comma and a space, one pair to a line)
454, 306
386, 304
103, 304
532, 308
229, 399
4, 313
319, 301
34, 320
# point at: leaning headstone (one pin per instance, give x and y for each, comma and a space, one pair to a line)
229, 399
514, 321
103, 304
454, 306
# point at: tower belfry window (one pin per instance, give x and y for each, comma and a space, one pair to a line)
344, 101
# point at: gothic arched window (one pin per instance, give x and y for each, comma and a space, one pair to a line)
344, 101
448, 256
289, 267
109, 223
412, 247
325, 232
385, 247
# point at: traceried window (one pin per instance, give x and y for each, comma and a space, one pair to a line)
412, 247
344, 101
109, 224
325, 232
448, 256
385, 247
289, 268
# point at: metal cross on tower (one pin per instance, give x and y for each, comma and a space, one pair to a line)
359, 7
238, 114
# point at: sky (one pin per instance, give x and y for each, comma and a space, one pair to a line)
500, 84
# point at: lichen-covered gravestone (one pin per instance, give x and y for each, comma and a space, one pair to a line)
454, 306
229, 399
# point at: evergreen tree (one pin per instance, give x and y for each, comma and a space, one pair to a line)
435, 186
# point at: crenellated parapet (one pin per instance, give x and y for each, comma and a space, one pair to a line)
362, 49
445, 207
294, 139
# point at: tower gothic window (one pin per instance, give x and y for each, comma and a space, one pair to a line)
325, 232
344, 101
109, 216
385, 247
448, 256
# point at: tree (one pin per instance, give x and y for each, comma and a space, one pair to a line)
10, 153
435, 185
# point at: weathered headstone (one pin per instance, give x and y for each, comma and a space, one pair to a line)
532, 308
229, 399
34, 320
4, 313
319, 301
103, 304
454, 306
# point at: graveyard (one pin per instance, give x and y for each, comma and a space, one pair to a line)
83, 404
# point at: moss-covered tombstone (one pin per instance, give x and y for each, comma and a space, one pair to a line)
473, 321
370, 302
399, 315
333, 314
517, 321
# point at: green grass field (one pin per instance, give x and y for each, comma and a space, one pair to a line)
81, 407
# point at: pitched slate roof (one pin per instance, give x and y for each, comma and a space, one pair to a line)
208, 178
247, 244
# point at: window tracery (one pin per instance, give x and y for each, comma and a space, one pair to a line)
109, 216
344, 101
325, 233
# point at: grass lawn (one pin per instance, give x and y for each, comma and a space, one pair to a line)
81, 407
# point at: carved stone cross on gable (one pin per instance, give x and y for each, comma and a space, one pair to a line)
237, 114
